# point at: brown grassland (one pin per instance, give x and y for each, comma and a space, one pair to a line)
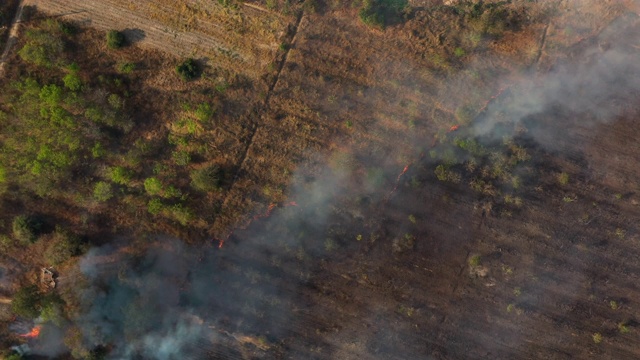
431, 218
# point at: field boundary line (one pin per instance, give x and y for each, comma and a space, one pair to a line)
262, 110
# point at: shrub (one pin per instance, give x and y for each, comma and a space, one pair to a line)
120, 175
563, 178
380, 13
155, 206
115, 39
204, 112
181, 157
474, 260
188, 70
126, 68
26, 302
25, 229
63, 247
181, 214
72, 81
152, 186
597, 338
115, 101
206, 179
102, 191
42, 48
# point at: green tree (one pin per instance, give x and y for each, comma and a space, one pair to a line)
153, 186
26, 302
381, 13
42, 48
188, 69
25, 229
120, 175
63, 246
72, 81
206, 179
115, 39
102, 191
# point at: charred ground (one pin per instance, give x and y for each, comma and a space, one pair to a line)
512, 236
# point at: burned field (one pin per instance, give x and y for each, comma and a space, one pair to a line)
453, 186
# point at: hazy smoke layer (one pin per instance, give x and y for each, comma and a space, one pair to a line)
597, 82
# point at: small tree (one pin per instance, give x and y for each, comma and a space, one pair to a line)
153, 186
25, 229
120, 175
26, 302
102, 191
206, 179
188, 69
63, 246
115, 39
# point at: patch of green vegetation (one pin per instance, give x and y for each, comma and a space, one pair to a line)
188, 70
43, 46
27, 302
72, 80
563, 178
115, 39
63, 245
155, 206
153, 186
382, 13
613, 304
25, 229
207, 179
120, 175
102, 191
623, 327
597, 338
204, 112
474, 260
126, 68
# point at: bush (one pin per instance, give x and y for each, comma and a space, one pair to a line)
25, 229
563, 178
26, 302
153, 186
126, 68
155, 206
206, 179
120, 175
188, 70
63, 247
72, 81
181, 214
102, 191
204, 112
42, 48
181, 157
381, 13
115, 39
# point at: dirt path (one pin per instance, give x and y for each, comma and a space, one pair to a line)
13, 37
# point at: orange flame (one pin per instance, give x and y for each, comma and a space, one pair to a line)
33, 333
454, 128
